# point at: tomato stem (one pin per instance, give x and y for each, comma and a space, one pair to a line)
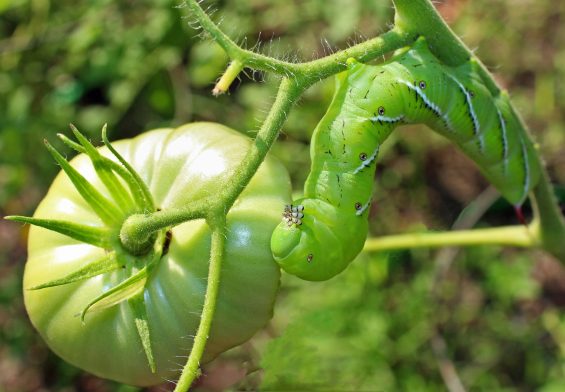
520, 236
136, 234
314, 70
191, 369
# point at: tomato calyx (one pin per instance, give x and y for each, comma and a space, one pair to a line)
128, 196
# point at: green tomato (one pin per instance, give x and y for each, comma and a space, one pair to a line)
178, 166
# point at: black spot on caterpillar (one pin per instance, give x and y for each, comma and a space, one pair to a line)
369, 102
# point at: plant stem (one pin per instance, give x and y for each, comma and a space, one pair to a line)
550, 223
420, 17
191, 369
314, 70
138, 229
520, 236
288, 93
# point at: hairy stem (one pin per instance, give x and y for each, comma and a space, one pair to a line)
288, 94
419, 17
313, 70
520, 236
192, 368
138, 228
551, 225
233, 50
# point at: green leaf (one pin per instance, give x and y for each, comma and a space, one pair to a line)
97, 236
119, 293
103, 207
142, 324
105, 172
103, 265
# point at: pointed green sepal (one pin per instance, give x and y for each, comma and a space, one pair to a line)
148, 204
75, 146
119, 293
101, 266
103, 207
138, 196
105, 172
97, 236
117, 168
142, 324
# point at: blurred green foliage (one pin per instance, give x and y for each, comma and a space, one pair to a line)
392, 321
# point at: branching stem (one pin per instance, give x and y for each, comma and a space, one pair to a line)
313, 70
299, 77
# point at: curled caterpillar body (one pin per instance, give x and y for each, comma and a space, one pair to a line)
369, 102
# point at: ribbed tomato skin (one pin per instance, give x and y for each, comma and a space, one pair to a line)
179, 166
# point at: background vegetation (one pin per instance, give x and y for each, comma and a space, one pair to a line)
488, 318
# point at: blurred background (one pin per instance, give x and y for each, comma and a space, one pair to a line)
484, 318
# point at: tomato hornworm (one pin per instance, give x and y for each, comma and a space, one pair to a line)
322, 232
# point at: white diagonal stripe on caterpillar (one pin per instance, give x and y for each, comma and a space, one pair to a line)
368, 162
361, 210
474, 118
429, 103
386, 119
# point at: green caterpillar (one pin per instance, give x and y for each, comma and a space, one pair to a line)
324, 231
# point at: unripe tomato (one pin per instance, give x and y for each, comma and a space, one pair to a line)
179, 166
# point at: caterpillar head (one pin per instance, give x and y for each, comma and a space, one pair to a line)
316, 241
